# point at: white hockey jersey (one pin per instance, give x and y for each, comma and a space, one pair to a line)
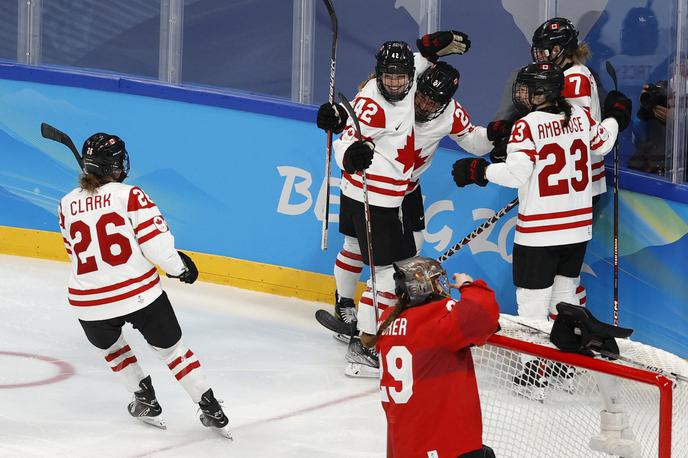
390, 126
580, 89
114, 237
455, 122
551, 167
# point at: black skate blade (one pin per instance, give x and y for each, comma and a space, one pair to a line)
328, 320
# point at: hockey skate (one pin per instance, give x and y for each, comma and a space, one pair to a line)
145, 406
531, 382
345, 311
212, 415
362, 361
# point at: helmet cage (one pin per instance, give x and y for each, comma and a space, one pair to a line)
537, 79
105, 155
556, 31
437, 83
394, 58
417, 279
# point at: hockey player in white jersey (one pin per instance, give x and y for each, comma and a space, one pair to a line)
115, 235
385, 109
548, 160
436, 116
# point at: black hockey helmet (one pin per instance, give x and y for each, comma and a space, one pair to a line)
541, 78
396, 58
419, 278
556, 31
104, 155
436, 87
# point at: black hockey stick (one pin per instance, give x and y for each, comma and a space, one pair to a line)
331, 322
478, 230
609, 354
328, 159
612, 74
366, 206
51, 133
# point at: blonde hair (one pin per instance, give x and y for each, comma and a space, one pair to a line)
363, 83
581, 54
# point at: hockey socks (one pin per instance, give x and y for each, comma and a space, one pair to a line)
122, 361
186, 369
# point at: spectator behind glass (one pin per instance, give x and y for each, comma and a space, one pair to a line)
650, 151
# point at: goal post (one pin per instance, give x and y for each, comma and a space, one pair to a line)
566, 416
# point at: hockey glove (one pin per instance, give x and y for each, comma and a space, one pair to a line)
434, 45
358, 156
332, 117
468, 171
498, 153
191, 273
499, 131
618, 106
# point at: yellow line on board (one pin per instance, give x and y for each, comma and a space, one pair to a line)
255, 276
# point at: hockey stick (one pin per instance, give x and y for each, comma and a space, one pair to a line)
478, 230
328, 159
51, 133
366, 206
612, 74
609, 354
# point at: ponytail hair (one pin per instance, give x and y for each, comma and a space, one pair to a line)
363, 83
581, 54
89, 182
565, 107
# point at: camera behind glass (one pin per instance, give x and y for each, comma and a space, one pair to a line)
655, 95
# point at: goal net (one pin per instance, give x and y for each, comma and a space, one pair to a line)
559, 415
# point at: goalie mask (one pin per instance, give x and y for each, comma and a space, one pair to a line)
104, 155
394, 70
557, 31
436, 87
537, 84
417, 279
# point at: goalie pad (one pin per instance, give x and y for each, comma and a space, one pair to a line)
616, 437
576, 330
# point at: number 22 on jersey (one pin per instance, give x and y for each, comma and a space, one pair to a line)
398, 363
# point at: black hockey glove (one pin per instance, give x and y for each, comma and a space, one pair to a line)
191, 273
434, 45
498, 153
332, 117
469, 170
358, 156
618, 106
499, 131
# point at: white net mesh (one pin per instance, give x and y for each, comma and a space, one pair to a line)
559, 417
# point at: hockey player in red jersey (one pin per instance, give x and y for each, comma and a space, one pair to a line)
115, 235
427, 384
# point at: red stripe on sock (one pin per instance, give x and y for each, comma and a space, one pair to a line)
180, 375
341, 265
117, 353
123, 364
175, 363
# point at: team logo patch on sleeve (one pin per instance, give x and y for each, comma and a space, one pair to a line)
160, 224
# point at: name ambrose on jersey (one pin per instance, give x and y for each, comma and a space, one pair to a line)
89, 203
556, 128
397, 328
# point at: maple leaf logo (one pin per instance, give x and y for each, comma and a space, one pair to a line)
407, 155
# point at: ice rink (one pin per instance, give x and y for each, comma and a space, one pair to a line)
279, 373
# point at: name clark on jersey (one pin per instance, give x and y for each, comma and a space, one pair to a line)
89, 203
397, 328
556, 128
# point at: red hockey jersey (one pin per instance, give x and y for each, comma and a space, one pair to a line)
428, 386
114, 237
